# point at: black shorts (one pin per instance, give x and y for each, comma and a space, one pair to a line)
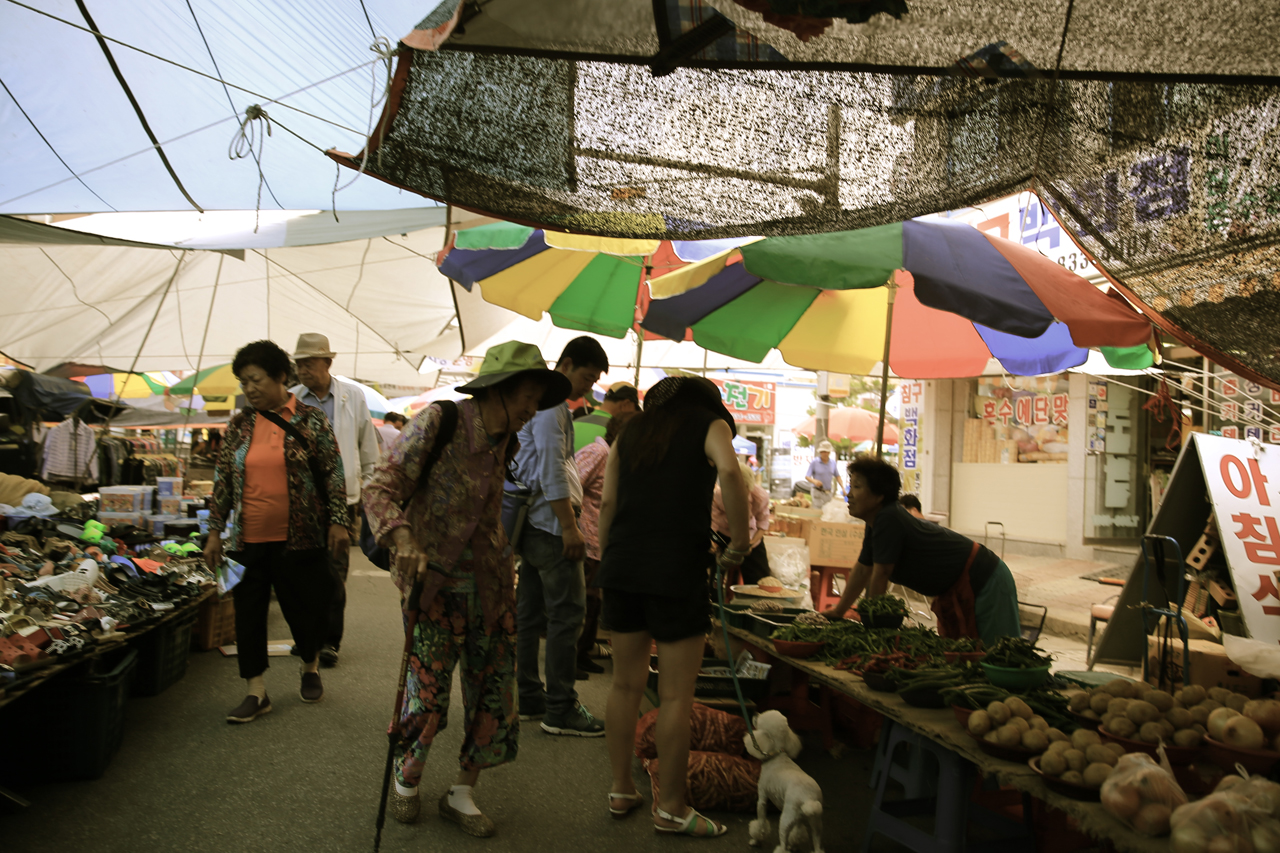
667, 619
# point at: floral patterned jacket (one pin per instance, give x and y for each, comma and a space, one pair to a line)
308, 519
459, 508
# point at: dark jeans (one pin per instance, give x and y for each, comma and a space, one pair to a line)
551, 595
303, 588
591, 624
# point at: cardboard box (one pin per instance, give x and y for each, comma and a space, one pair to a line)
1210, 666
834, 543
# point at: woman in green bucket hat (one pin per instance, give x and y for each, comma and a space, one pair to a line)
446, 528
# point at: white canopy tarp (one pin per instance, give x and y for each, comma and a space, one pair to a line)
73, 141
380, 300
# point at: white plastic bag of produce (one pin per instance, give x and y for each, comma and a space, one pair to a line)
1237, 819
1142, 793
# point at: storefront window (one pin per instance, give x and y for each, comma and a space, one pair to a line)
1018, 419
1112, 491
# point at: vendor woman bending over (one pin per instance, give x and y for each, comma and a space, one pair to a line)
975, 593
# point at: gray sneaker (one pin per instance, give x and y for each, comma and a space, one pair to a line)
577, 723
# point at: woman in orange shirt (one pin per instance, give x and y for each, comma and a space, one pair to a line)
280, 471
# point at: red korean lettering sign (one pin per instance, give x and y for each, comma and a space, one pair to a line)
1059, 404
1040, 408
1023, 411
1243, 482
749, 402
1004, 412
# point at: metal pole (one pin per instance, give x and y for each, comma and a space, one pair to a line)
884, 367
639, 350
823, 410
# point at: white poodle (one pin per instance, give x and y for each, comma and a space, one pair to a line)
783, 782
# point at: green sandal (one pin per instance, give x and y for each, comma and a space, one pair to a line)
689, 824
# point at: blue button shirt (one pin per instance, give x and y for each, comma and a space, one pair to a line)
545, 464
326, 405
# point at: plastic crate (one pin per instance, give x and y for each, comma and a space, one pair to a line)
216, 624
87, 700
162, 655
764, 624
737, 615
714, 686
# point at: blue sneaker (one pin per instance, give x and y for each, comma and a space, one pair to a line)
577, 723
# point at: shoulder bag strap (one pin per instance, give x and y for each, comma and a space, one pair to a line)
444, 435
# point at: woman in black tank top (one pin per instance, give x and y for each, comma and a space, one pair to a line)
655, 522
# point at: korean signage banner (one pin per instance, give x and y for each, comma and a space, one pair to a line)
748, 402
912, 398
1026, 408
1244, 485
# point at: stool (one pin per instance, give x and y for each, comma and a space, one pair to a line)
950, 806
911, 776
823, 591
1097, 613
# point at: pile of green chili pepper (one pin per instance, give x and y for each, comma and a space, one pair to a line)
882, 605
1016, 653
854, 647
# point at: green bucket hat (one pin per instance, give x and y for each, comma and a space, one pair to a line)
513, 357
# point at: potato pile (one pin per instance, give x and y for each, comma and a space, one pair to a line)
1012, 723
1251, 724
1137, 711
1082, 759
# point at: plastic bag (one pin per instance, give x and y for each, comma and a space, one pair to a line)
791, 567
1142, 793
229, 574
1224, 822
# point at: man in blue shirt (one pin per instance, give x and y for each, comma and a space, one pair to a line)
824, 475
552, 591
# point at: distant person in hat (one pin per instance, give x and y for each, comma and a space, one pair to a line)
824, 475
279, 470
620, 401
448, 531
344, 405
973, 591
552, 591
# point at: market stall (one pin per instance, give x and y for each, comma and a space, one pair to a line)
91, 612
855, 676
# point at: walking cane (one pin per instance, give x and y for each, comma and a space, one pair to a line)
392, 734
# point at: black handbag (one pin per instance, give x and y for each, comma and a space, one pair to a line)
378, 555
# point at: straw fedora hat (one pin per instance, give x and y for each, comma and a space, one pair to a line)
312, 345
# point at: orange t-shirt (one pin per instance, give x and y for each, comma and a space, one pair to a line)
264, 505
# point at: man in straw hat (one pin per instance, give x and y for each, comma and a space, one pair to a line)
824, 475
552, 592
344, 404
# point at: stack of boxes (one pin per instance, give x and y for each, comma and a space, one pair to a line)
984, 442
146, 507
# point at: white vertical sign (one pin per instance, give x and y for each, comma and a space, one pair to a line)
1244, 483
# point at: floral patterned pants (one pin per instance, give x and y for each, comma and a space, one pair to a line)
452, 631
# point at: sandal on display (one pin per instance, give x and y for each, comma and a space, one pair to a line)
633, 802
693, 824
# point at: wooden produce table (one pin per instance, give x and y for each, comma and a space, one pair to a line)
23, 686
940, 726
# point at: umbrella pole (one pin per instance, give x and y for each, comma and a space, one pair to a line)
884, 367
639, 350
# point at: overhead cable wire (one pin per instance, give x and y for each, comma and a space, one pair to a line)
137, 108
232, 104
46, 141
206, 75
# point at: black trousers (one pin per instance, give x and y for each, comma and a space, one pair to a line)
304, 589
339, 566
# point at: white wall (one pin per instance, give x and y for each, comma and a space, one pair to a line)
1029, 499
